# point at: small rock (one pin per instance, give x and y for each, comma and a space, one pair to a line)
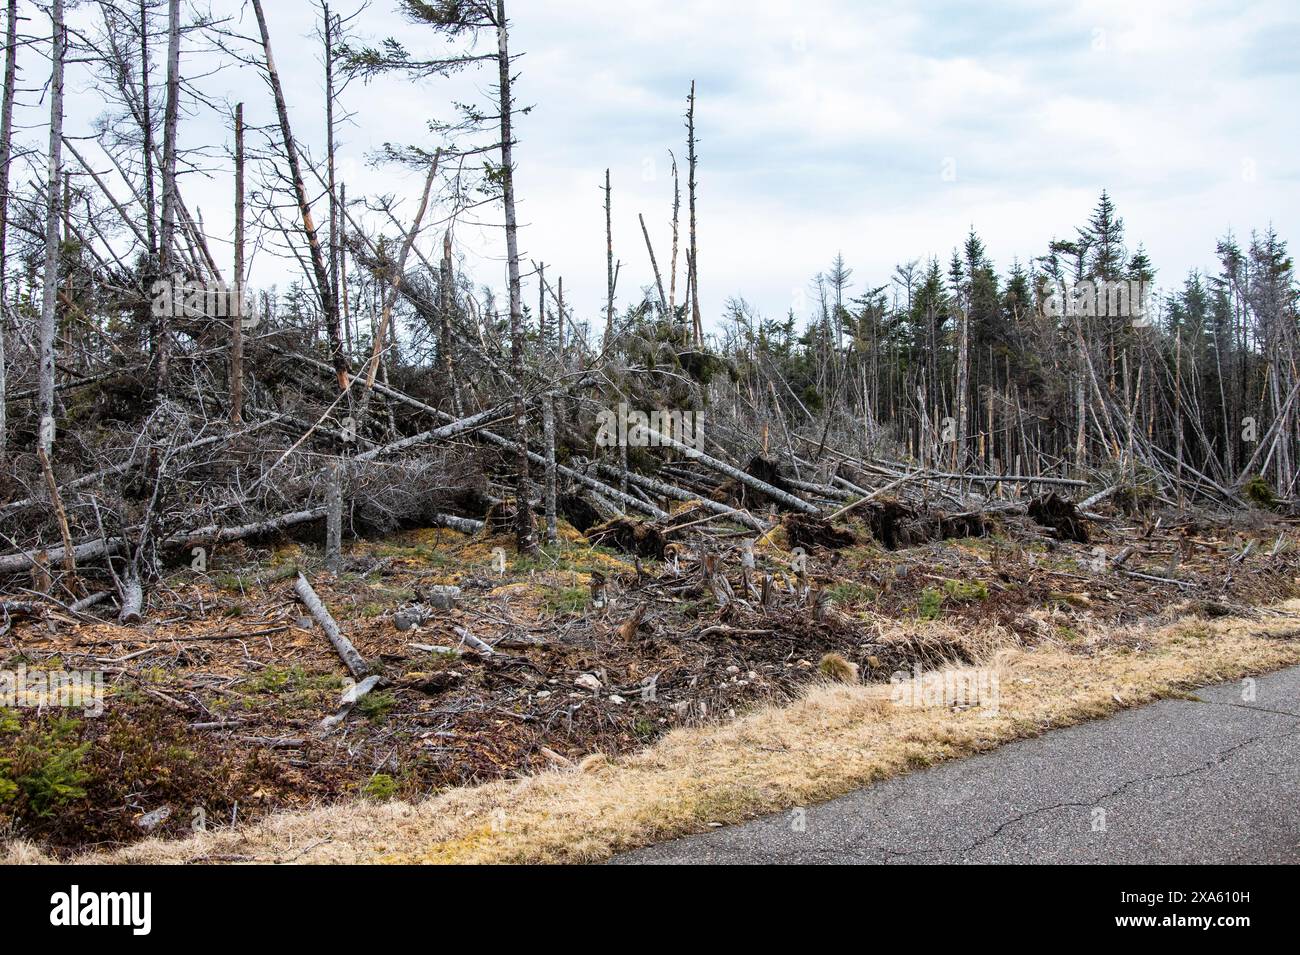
543, 694
151, 819
733, 669
588, 681
616, 699
442, 597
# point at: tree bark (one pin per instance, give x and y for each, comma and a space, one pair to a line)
237, 312
6, 153
548, 438
659, 282
694, 260
342, 645
525, 539
49, 302
167, 250
609, 268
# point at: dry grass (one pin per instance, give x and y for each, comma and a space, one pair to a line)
836, 738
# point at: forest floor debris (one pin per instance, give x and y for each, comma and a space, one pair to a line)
230, 703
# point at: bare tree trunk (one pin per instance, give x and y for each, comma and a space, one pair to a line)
548, 437
344, 304
672, 266
330, 180
237, 316
659, 282
525, 539
446, 305
609, 267
6, 153
398, 267
324, 288
146, 136
167, 252
49, 300
694, 260
963, 385
559, 318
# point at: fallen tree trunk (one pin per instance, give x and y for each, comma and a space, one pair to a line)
342, 645
213, 533
668, 490
465, 525
736, 474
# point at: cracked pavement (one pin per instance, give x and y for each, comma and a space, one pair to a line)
1209, 780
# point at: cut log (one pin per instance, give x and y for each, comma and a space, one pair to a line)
131, 597
351, 697
342, 645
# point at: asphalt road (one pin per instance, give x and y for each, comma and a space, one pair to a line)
1215, 780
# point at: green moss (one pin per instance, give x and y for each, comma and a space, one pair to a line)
564, 600
295, 687
1260, 493
963, 590
380, 787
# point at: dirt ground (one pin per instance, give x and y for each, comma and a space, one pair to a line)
214, 707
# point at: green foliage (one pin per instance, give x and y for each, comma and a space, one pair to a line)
958, 591
930, 603
851, 592
294, 686
375, 706
46, 770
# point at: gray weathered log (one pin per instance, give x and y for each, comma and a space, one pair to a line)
334, 520
342, 645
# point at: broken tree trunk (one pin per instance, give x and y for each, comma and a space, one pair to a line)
342, 645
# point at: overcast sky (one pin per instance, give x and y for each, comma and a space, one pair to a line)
883, 131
